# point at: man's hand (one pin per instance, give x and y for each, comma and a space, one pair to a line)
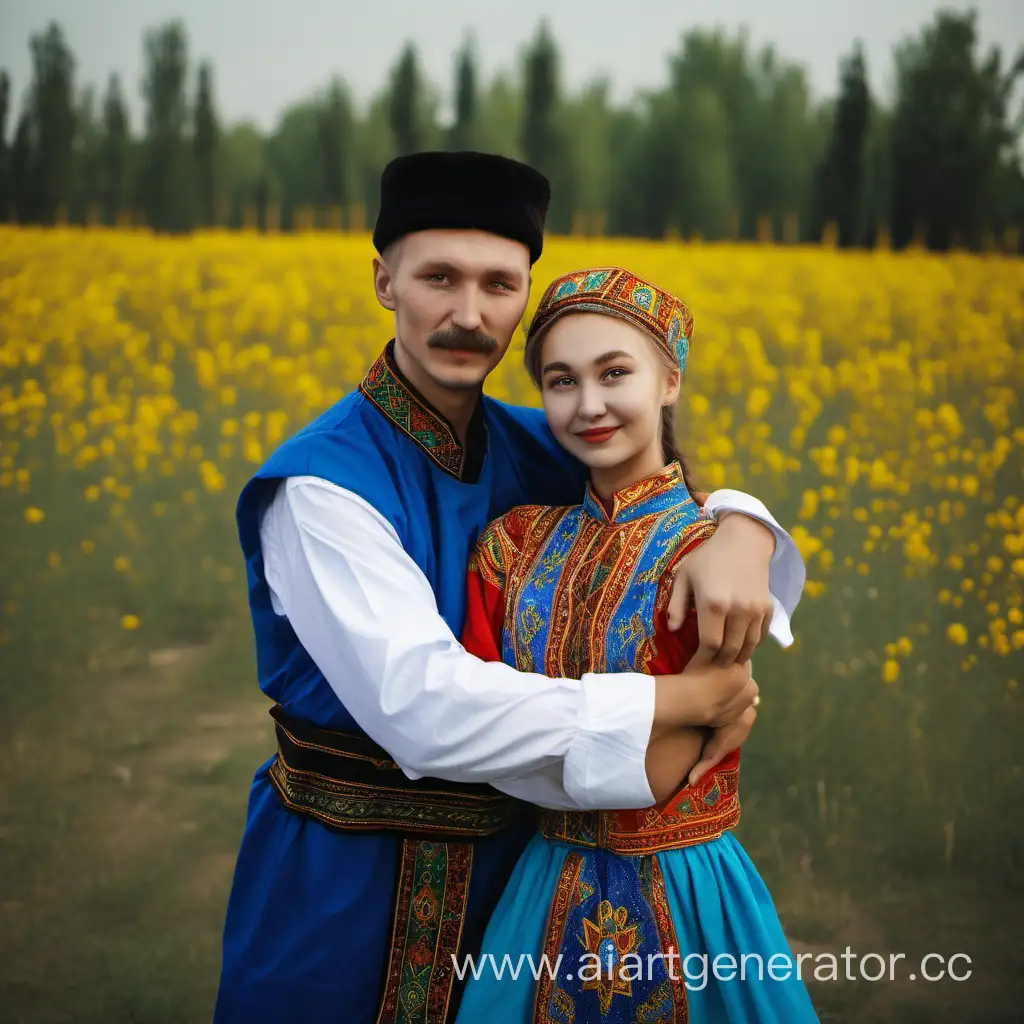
727, 579
702, 695
723, 741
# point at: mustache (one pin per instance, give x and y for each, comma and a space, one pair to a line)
460, 340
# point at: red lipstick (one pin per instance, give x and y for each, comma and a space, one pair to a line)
596, 434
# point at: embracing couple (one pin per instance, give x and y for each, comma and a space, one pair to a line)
509, 652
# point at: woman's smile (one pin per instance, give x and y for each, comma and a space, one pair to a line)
596, 435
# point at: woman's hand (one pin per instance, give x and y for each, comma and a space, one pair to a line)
723, 741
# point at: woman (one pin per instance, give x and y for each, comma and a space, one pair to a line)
637, 904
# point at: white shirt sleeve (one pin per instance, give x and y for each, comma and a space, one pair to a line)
787, 573
367, 616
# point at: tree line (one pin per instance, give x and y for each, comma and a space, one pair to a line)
732, 145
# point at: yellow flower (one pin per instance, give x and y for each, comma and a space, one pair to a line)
130, 622
890, 671
957, 633
34, 515
122, 563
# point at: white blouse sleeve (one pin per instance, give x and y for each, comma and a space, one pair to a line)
367, 616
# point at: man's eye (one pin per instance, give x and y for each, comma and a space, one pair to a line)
437, 278
502, 286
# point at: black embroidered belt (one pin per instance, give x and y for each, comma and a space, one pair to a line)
348, 781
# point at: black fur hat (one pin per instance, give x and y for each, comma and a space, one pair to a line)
479, 191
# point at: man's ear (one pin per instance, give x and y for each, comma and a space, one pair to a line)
383, 284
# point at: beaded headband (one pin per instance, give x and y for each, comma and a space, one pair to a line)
617, 292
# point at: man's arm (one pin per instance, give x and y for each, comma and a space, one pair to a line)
368, 618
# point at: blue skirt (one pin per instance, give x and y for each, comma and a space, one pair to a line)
593, 907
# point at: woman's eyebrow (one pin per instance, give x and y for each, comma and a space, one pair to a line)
609, 356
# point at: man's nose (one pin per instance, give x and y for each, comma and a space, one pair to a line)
467, 314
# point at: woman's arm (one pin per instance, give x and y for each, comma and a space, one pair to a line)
671, 757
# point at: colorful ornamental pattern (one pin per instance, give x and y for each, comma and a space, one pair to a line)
581, 588
383, 385
610, 920
617, 292
433, 889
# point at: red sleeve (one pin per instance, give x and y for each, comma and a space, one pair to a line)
673, 650
495, 552
485, 617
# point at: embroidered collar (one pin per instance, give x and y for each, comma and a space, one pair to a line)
657, 493
386, 387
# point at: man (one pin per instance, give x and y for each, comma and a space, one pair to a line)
380, 836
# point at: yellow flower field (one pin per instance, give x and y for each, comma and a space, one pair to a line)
875, 394
871, 399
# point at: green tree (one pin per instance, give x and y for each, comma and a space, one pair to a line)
951, 137
335, 141
704, 192
204, 146
166, 183
840, 178
497, 128
588, 154
52, 125
404, 104
463, 131
542, 144
115, 152
376, 146
292, 157
247, 172
876, 202
86, 160
5, 151
770, 127
538, 130
22, 160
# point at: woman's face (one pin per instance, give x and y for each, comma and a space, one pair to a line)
603, 385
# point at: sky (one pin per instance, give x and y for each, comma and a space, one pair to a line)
268, 54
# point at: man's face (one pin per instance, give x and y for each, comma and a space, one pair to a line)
458, 297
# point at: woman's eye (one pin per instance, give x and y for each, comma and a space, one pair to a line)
616, 373
560, 382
